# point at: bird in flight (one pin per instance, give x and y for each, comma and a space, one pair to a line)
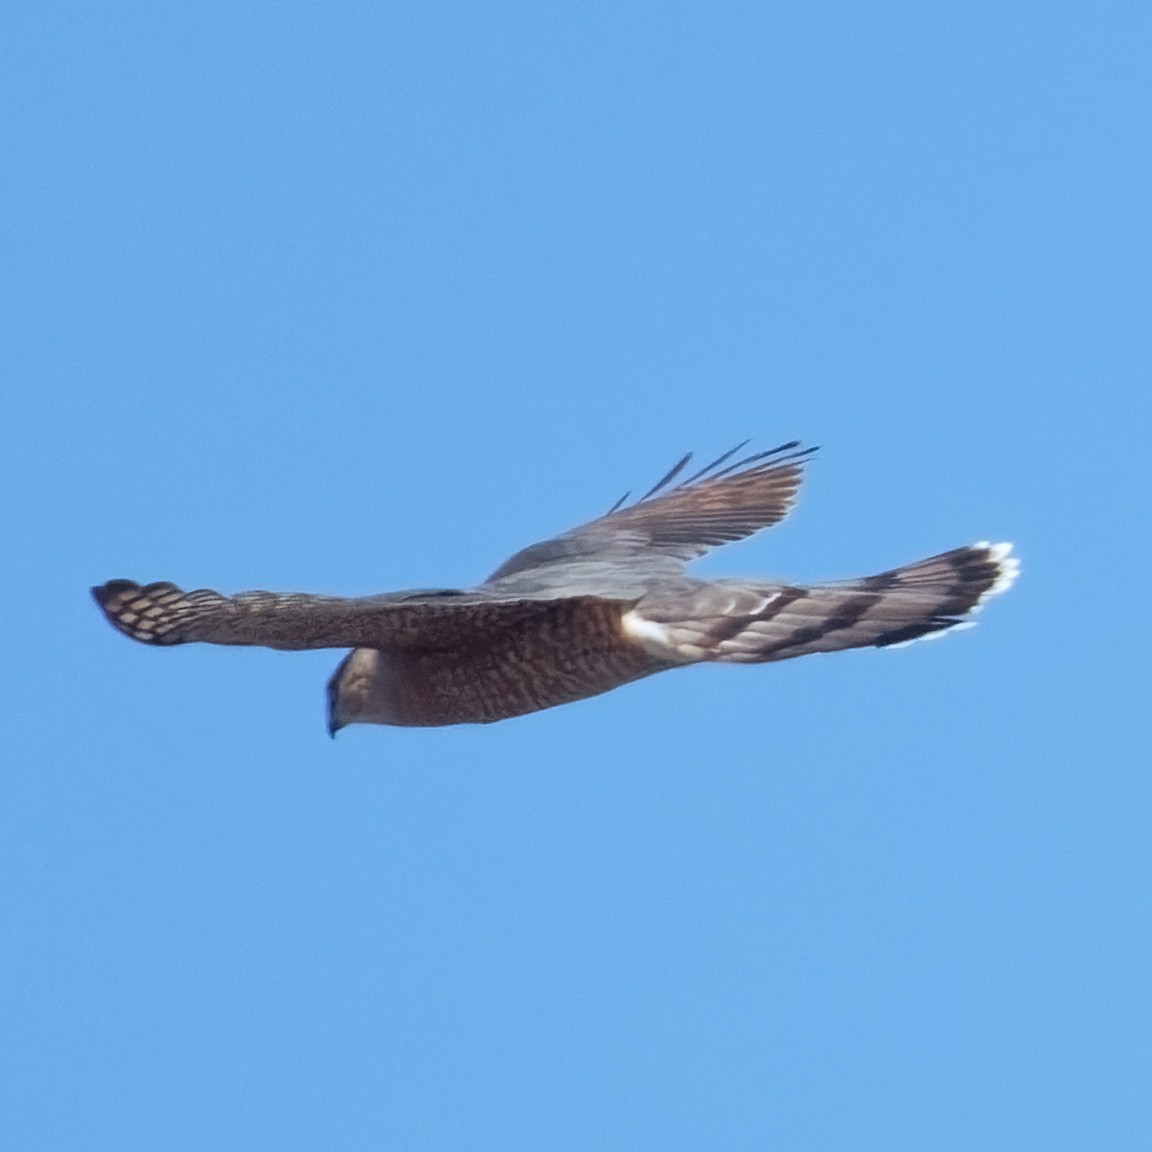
582, 613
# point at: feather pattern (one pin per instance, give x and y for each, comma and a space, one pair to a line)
163, 614
583, 612
663, 530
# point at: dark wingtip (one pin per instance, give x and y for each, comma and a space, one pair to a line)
105, 595
102, 593
130, 608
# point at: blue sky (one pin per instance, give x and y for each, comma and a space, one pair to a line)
351, 297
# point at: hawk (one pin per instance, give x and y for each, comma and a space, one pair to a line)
582, 613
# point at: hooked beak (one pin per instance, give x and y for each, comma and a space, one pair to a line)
334, 721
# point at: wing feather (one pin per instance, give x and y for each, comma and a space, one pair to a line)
164, 614
665, 529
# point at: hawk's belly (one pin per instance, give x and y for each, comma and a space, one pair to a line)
568, 654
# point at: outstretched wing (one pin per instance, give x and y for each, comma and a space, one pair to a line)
448, 620
670, 525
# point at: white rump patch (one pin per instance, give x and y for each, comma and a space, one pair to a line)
657, 639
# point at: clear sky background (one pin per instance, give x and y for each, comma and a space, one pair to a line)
347, 297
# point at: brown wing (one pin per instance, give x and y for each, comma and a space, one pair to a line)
164, 614
669, 526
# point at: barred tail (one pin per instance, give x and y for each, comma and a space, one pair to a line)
917, 601
755, 624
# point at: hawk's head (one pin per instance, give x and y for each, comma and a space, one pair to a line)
360, 691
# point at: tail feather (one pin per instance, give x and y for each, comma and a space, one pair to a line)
917, 601
755, 624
